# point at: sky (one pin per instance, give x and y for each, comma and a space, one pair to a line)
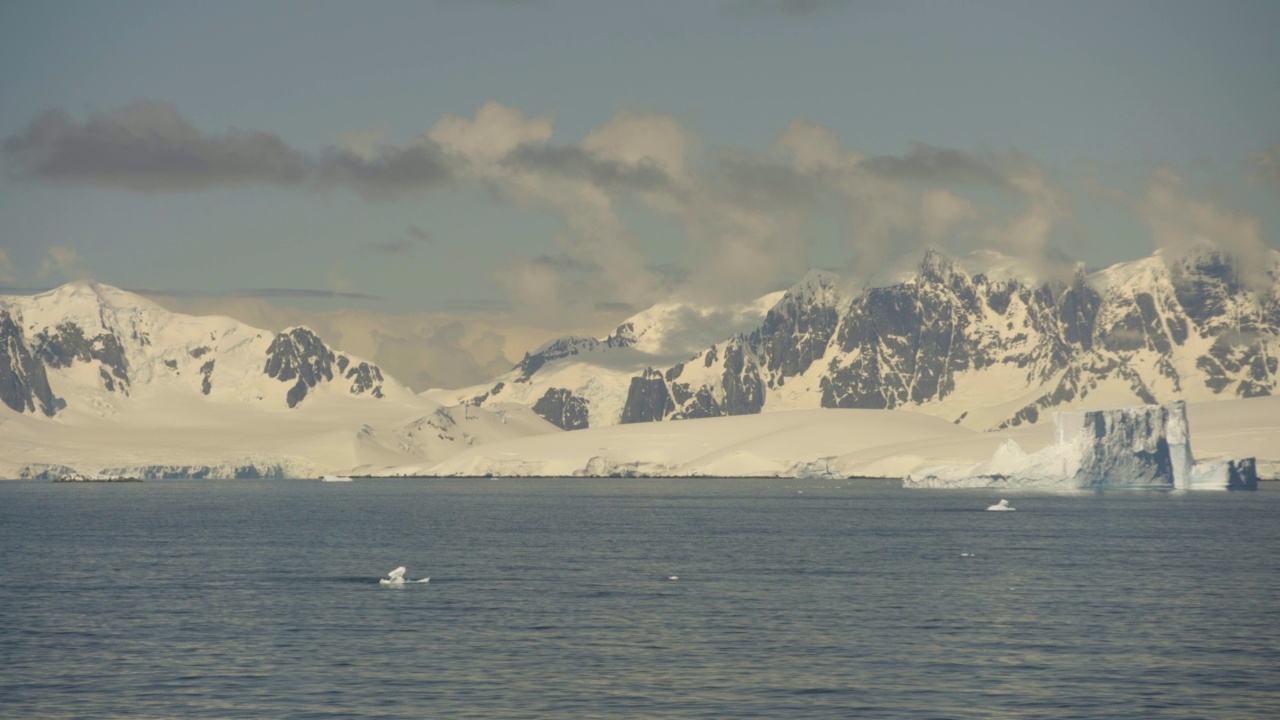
442, 185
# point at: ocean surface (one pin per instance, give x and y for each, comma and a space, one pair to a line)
551, 599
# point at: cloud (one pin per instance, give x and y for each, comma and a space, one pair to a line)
946, 166
415, 236
580, 164
262, 293
745, 221
63, 263
1179, 222
504, 150
495, 131
751, 180
363, 143
419, 234
8, 271
149, 147
1265, 166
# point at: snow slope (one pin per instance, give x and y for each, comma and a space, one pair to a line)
821, 442
108, 383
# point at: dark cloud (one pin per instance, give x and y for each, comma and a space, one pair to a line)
946, 166
404, 245
150, 147
398, 246
393, 171
419, 234
754, 181
670, 274
564, 263
575, 162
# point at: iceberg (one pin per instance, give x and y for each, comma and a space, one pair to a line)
1147, 446
395, 578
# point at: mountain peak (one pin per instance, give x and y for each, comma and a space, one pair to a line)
819, 286
935, 266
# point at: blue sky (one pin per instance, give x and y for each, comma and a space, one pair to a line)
792, 134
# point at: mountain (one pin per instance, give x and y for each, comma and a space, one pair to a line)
96, 344
100, 380
576, 381
972, 342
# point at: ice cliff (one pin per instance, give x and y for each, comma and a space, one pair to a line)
1147, 446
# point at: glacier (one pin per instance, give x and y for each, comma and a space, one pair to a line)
1146, 446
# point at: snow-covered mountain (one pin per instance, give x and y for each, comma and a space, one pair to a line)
99, 380
576, 382
971, 342
90, 345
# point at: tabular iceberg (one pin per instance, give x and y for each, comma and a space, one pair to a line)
1146, 446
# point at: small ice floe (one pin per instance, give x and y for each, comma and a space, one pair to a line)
1002, 505
673, 577
335, 478
395, 578
968, 554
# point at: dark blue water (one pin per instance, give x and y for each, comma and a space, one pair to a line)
549, 599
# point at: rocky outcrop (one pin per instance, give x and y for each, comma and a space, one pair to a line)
562, 408
24, 385
299, 356
648, 399
555, 350
68, 344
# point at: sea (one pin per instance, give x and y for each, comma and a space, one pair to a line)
634, 598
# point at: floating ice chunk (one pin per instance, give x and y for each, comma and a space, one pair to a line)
395, 578
673, 577
1002, 505
335, 478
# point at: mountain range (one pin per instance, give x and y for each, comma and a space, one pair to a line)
985, 349
97, 380
973, 342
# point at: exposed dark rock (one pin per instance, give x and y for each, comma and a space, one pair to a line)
299, 354
67, 344
478, 400
24, 386
206, 379
624, 336
561, 348
647, 399
365, 377
563, 409
796, 331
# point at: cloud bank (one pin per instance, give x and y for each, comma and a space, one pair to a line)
151, 147
746, 221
